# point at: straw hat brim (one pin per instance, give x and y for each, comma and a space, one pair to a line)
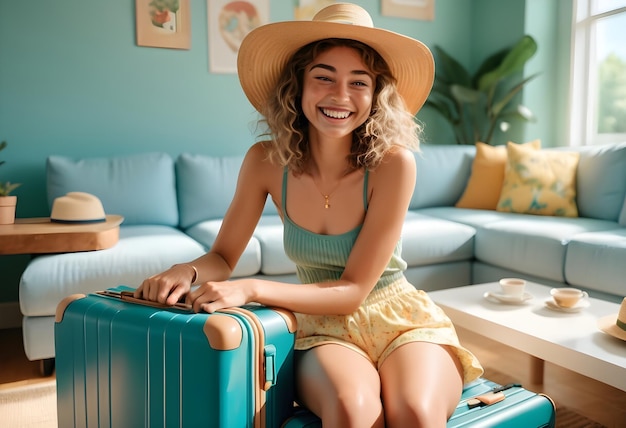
609, 325
266, 50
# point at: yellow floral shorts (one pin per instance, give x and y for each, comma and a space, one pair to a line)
389, 318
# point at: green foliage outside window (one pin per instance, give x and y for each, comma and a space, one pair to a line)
612, 95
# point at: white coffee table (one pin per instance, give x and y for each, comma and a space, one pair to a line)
570, 340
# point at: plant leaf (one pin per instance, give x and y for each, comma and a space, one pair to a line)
442, 108
524, 114
504, 101
8, 187
488, 65
464, 94
451, 70
513, 62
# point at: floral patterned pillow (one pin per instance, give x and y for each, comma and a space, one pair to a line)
540, 182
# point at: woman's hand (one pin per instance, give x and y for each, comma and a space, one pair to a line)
167, 287
214, 295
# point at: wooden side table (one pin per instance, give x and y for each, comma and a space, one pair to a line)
42, 236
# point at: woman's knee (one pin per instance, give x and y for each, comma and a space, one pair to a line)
340, 386
422, 412
354, 409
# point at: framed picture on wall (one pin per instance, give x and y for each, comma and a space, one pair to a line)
228, 23
414, 9
163, 23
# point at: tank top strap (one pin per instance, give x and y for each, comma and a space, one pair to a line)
367, 174
283, 202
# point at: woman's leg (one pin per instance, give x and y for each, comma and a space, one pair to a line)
339, 385
422, 384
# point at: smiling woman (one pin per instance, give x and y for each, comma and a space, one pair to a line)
337, 98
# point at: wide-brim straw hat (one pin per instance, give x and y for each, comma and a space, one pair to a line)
265, 51
615, 324
77, 207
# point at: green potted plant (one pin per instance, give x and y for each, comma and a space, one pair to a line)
7, 201
476, 105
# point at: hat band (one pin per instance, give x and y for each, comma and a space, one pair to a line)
621, 324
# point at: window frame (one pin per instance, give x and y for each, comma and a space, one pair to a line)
583, 84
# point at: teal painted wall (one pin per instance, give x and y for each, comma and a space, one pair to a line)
548, 95
73, 82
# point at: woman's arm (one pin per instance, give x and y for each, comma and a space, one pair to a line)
237, 227
391, 190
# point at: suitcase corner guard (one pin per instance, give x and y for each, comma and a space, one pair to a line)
63, 304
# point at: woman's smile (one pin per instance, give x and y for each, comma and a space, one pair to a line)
335, 114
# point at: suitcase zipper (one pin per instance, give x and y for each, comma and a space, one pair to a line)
260, 383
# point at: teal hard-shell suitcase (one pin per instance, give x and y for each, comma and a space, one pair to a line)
520, 408
123, 364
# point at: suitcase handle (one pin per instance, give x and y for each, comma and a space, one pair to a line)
129, 296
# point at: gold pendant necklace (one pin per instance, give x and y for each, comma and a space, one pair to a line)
326, 195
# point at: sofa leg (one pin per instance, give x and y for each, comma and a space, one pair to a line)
46, 367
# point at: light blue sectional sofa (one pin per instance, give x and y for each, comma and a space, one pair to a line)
173, 208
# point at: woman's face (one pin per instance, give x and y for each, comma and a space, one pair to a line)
337, 92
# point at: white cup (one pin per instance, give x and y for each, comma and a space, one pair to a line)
513, 287
567, 297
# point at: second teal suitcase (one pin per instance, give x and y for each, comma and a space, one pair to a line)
122, 364
520, 408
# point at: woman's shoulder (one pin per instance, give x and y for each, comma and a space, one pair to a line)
397, 158
259, 149
258, 157
397, 165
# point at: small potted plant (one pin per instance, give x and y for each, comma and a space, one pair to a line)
7, 202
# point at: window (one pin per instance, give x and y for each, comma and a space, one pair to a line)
598, 107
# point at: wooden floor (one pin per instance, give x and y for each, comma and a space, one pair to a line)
597, 401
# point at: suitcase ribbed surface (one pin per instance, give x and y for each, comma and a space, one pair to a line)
121, 364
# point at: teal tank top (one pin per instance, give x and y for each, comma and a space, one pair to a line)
321, 258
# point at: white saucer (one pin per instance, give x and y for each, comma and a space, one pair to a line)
494, 296
582, 304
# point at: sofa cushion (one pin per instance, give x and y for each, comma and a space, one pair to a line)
249, 263
596, 260
141, 251
485, 182
206, 185
141, 187
535, 245
539, 182
468, 216
265, 252
442, 173
528, 244
601, 181
269, 233
428, 240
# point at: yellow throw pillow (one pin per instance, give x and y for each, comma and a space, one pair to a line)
540, 182
485, 182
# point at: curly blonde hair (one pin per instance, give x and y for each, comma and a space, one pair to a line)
389, 123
